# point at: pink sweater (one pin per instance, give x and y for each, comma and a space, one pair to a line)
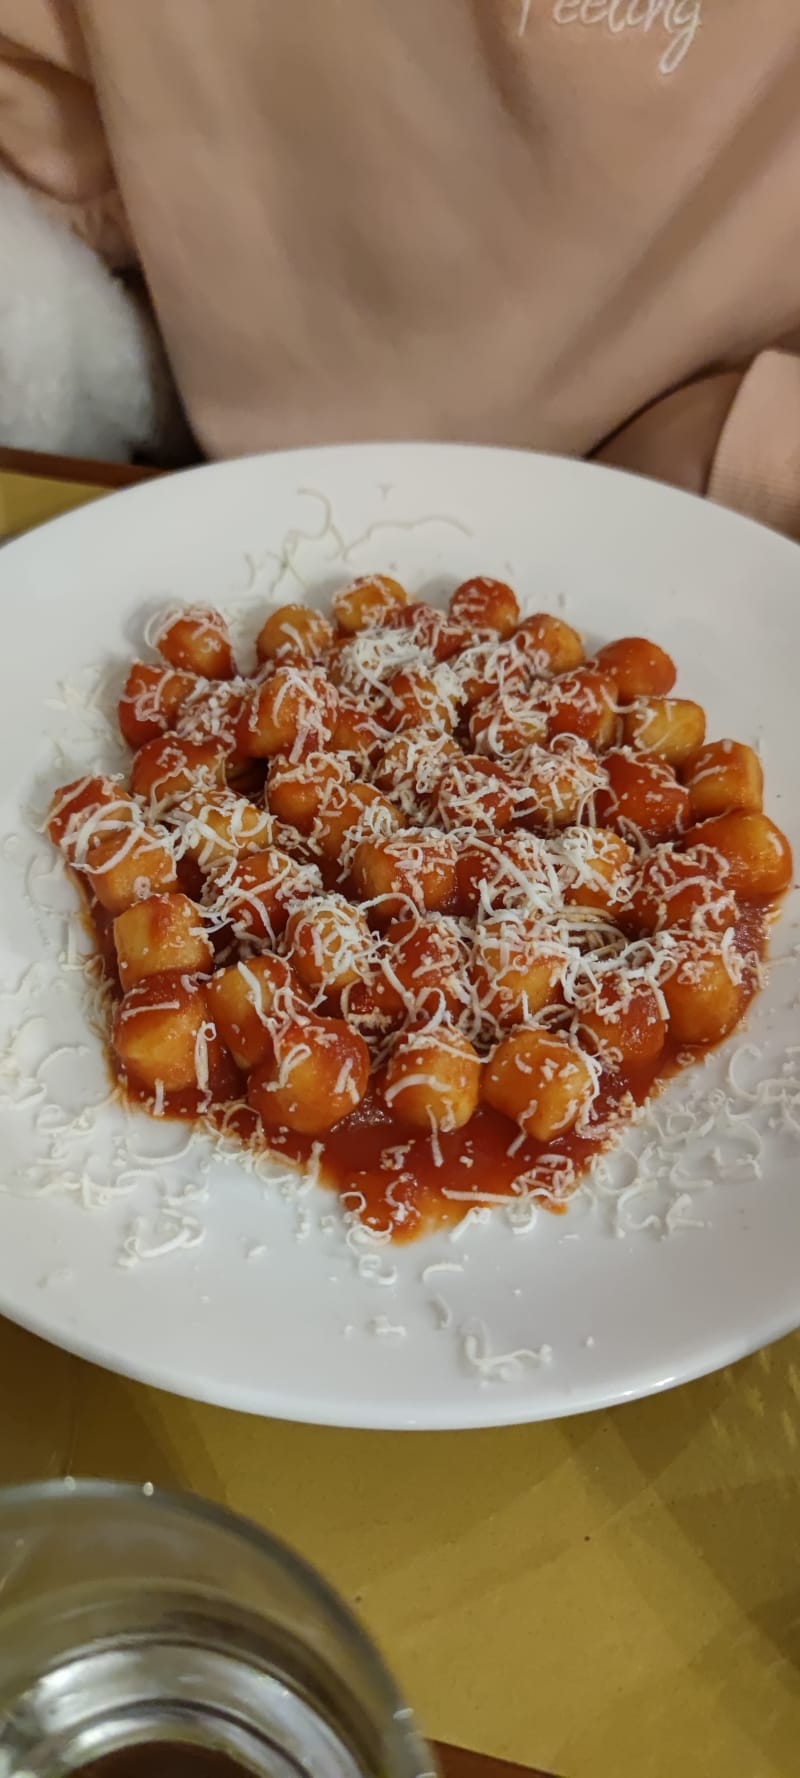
566, 224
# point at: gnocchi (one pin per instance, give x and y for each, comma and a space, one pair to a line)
161, 1035
667, 728
485, 604
421, 969
640, 669
152, 701
329, 943
161, 934
722, 776
196, 640
704, 991
549, 644
583, 704
255, 895
477, 794
433, 1079
296, 790
541, 1081
129, 865
642, 795
414, 869
515, 969
755, 856
429, 894
370, 600
165, 770
250, 1001
294, 636
316, 1075
625, 1021
293, 711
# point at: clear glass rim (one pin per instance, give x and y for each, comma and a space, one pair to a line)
221, 1518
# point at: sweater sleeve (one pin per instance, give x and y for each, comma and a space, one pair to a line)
734, 436
51, 134
756, 464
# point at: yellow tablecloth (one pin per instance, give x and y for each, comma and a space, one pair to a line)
611, 1597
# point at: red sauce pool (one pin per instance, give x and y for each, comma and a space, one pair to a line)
413, 1196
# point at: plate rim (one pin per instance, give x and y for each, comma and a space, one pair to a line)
491, 1408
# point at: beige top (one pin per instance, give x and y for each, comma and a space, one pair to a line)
518, 221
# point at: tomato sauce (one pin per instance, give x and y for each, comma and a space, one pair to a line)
402, 1183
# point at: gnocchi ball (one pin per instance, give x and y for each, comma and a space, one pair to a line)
217, 824
502, 875
724, 775
329, 943
129, 865
541, 1081
418, 699
484, 604
294, 635
428, 629
352, 813
515, 968
357, 730
296, 790
625, 1023
152, 701
594, 865
668, 728
293, 712
85, 809
583, 703
163, 933
359, 666
476, 793
478, 872
409, 768
415, 868
755, 855
502, 725
704, 995
492, 670
422, 968
168, 769
432, 1079
195, 639
370, 600
318, 1074
557, 786
642, 794
672, 888
640, 669
549, 645
249, 1002
255, 895
161, 1034
212, 713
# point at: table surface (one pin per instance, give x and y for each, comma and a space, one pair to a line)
616, 1596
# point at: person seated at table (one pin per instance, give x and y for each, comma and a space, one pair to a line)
568, 225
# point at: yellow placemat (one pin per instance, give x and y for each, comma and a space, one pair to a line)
28, 500
611, 1597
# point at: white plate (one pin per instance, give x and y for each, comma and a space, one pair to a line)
262, 1305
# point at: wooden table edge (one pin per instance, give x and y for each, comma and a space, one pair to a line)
89, 471
460, 1762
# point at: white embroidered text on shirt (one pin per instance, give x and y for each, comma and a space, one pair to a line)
679, 19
